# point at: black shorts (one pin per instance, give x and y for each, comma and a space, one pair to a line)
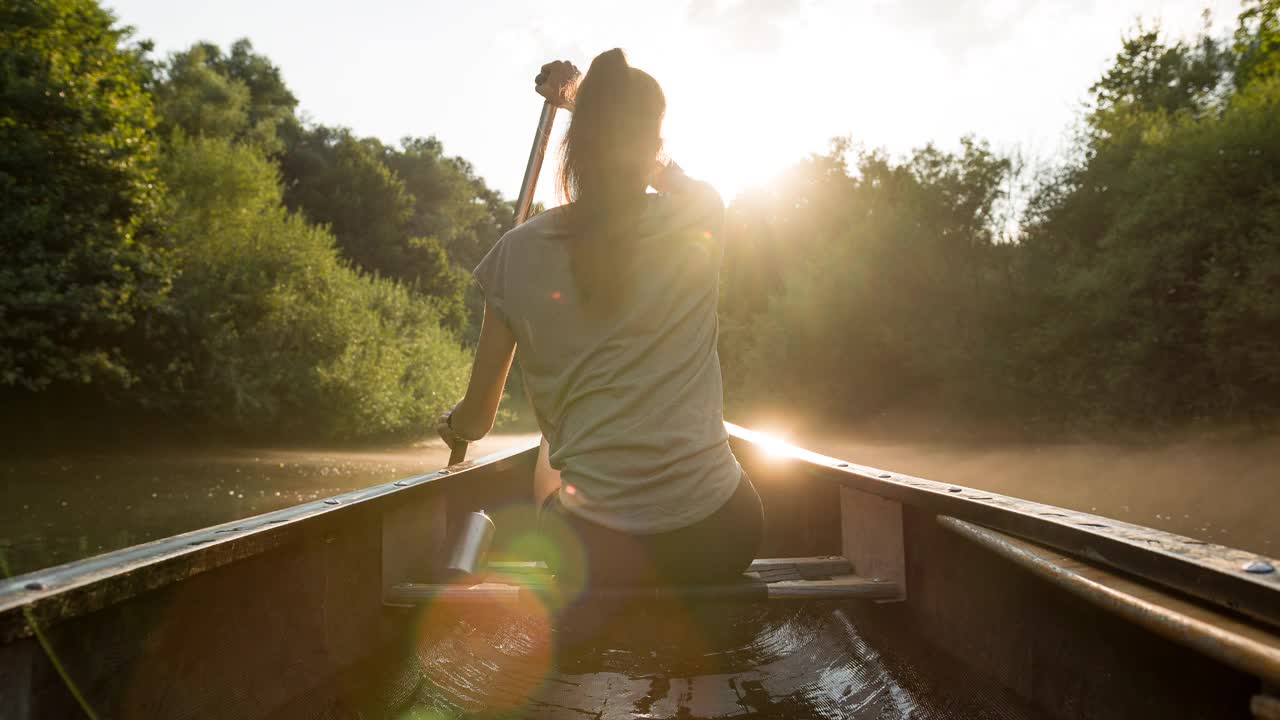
715, 548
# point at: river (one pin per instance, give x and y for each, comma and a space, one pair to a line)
55, 509
59, 508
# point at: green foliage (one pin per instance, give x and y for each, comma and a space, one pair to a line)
210, 300
450, 203
1152, 256
282, 278
77, 191
239, 95
1144, 287
876, 266
284, 336
411, 214
1257, 41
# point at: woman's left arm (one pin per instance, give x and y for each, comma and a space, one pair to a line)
472, 418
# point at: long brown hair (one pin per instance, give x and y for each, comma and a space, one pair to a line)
605, 162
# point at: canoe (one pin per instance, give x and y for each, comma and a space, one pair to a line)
877, 595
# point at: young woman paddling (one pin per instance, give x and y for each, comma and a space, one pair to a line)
611, 300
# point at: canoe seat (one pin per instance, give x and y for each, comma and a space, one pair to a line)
806, 578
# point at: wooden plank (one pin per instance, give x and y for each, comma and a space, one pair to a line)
413, 540
871, 533
823, 565
519, 568
410, 594
805, 567
853, 587
769, 578
847, 586
1220, 636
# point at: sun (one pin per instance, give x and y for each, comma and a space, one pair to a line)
715, 135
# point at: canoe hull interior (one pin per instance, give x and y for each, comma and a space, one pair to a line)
284, 616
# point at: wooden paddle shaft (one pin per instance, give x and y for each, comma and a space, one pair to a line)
524, 201
458, 452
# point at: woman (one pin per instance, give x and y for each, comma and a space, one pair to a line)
611, 299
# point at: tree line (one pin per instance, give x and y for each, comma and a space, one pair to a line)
180, 244
1136, 284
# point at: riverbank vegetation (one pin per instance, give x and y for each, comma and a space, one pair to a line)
181, 247
1135, 285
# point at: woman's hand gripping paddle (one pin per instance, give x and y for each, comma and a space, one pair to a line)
555, 83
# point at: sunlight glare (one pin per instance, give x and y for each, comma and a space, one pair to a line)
773, 444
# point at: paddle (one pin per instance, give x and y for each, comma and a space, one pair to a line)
524, 201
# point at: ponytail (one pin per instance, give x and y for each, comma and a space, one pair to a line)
606, 159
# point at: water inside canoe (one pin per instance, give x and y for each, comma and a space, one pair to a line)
754, 660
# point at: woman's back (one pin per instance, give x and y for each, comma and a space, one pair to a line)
629, 398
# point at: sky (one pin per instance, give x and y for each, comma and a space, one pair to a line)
752, 85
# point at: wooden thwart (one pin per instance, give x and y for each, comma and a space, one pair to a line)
766, 579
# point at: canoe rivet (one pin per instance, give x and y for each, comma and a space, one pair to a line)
885, 476
843, 465
34, 585
955, 489
332, 501
400, 483
444, 472
1260, 567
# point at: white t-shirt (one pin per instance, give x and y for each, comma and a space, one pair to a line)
631, 403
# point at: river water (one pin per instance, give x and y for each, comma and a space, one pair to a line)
55, 509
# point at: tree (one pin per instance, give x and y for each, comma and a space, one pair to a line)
450, 203
882, 278
240, 95
77, 191
1146, 260
1257, 41
409, 214
280, 336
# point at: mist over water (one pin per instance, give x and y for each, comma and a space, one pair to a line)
1220, 491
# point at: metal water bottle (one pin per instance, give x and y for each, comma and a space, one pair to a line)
472, 546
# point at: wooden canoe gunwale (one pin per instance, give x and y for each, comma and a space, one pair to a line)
1208, 572
58, 593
